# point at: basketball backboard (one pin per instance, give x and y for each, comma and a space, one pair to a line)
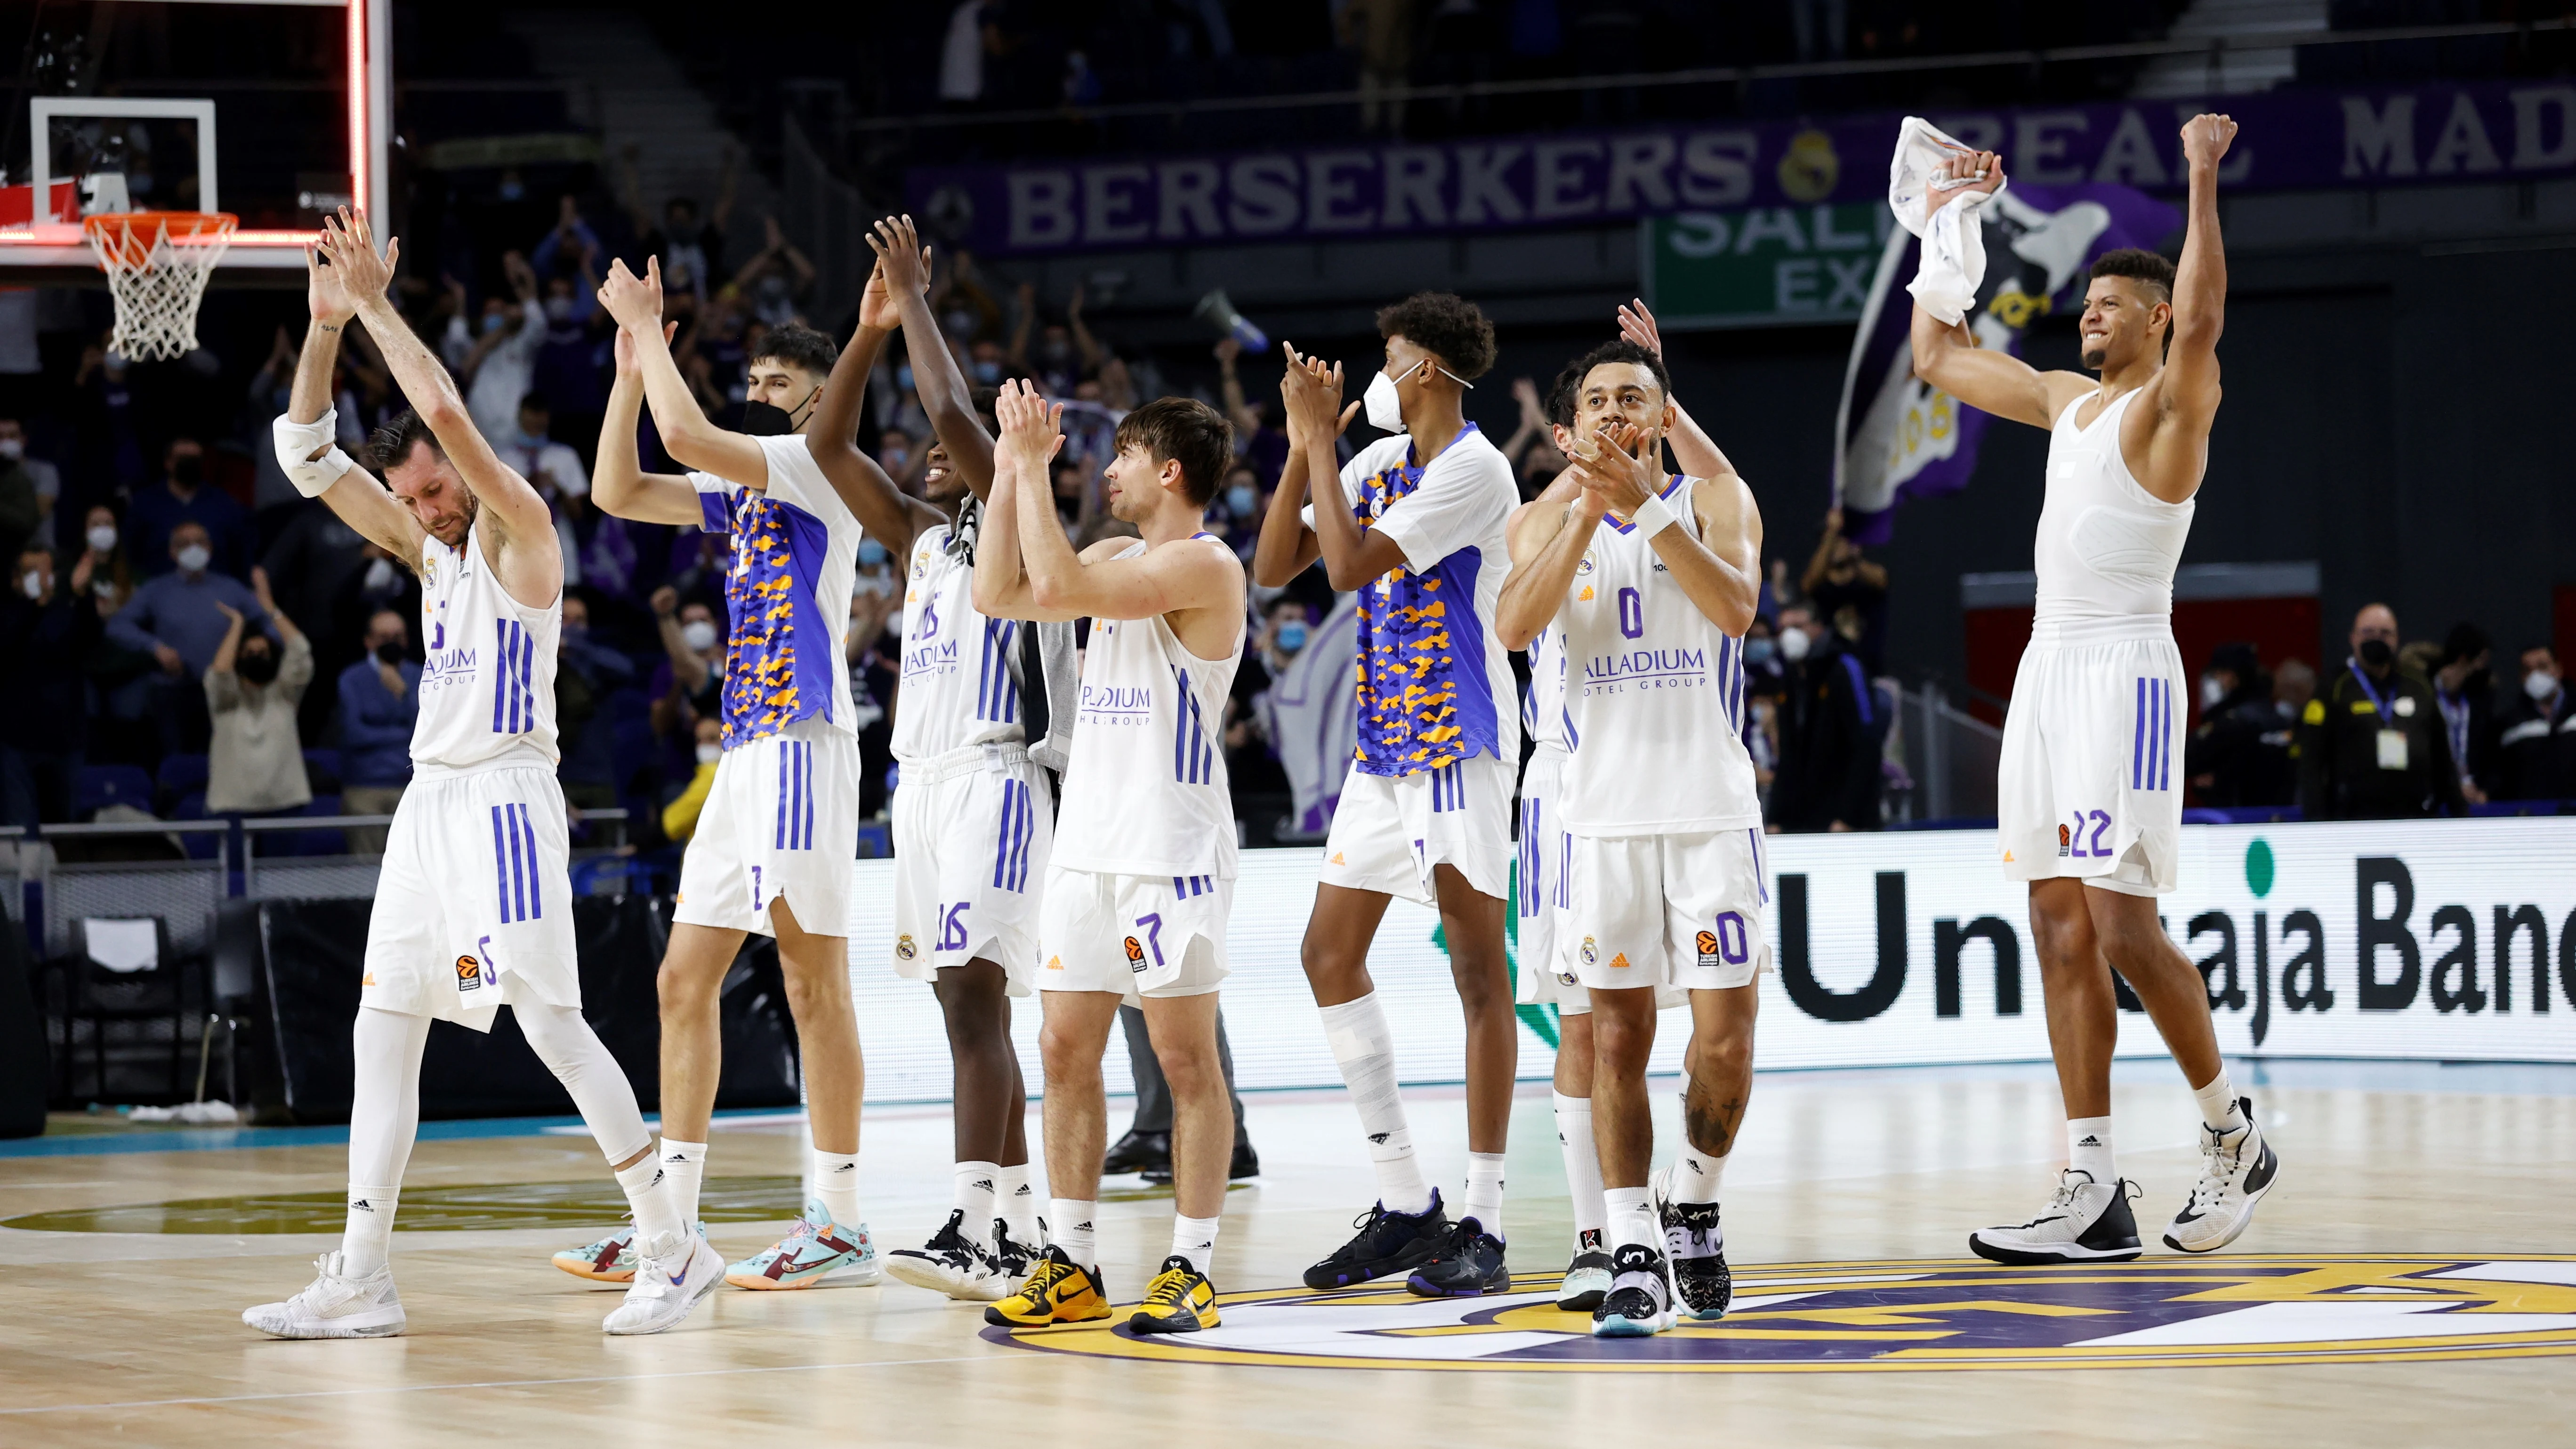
276, 111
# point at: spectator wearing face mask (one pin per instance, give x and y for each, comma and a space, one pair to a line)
110, 574
48, 631
178, 620
689, 682
379, 704
2371, 743
500, 369
256, 761
1848, 592
1241, 498
182, 495
2466, 693
2226, 757
2537, 735
680, 817
29, 489
1829, 728
774, 283
690, 245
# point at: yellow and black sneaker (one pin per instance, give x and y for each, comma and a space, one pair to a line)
1057, 1292
1179, 1300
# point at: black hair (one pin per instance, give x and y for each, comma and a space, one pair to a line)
1445, 325
2138, 265
1559, 402
2467, 641
536, 400
1187, 431
388, 446
1620, 350
798, 346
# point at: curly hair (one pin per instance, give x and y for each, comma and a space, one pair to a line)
1182, 428
1445, 325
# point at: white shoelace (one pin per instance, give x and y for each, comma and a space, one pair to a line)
2219, 1164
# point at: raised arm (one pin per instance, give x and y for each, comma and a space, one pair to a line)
1001, 585
1166, 580
1311, 394
1694, 451
881, 508
1947, 356
304, 438
519, 516
2187, 390
619, 484
687, 434
1721, 570
942, 388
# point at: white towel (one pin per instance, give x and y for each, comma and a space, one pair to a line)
1954, 247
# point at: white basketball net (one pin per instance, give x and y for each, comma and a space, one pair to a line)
158, 284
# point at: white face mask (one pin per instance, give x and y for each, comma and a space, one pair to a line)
106, 591
2540, 684
103, 537
380, 576
1385, 413
2211, 691
13, 448
33, 582
1794, 644
699, 635
194, 558
709, 754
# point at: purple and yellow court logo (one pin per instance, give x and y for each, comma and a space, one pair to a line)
1919, 1315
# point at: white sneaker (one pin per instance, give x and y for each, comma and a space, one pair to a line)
2236, 1169
2085, 1222
334, 1306
949, 1263
672, 1275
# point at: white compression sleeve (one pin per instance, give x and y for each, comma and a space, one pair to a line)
384, 1108
597, 1085
296, 443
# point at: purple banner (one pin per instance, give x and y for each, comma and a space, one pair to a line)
2292, 139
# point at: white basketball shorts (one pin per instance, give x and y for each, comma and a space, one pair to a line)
1390, 830
1135, 935
1545, 890
2091, 783
1682, 912
473, 902
972, 833
782, 823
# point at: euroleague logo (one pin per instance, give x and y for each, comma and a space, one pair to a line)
1709, 952
1135, 956
1918, 1316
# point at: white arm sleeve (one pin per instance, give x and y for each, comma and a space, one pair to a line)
296, 444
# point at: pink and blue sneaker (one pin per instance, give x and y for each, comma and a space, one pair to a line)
815, 1250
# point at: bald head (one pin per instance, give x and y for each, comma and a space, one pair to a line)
2374, 637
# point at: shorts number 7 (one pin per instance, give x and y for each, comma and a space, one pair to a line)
1153, 925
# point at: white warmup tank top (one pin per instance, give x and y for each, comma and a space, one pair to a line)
1543, 708
1654, 696
2107, 547
1145, 791
959, 688
487, 687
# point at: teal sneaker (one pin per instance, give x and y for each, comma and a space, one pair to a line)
610, 1260
815, 1250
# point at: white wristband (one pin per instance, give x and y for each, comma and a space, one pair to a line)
297, 442
1651, 517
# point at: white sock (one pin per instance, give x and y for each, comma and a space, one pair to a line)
2218, 1103
1484, 1200
1582, 1164
1019, 1205
1194, 1239
1697, 1177
368, 1239
686, 1162
836, 1184
979, 1198
1077, 1230
648, 1192
1365, 1051
2088, 1148
1631, 1221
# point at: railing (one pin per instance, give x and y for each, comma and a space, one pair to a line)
1941, 760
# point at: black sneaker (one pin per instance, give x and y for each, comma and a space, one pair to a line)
1011, 1255
1639, 1303
1246, 1163
1386, 1243
1695, 1247
1587, 1278
1140, 1152
1469, 1264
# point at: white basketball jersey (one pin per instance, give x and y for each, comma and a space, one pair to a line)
487, 687
1543, 708
1654, 696
2107, 547
1145, 791
958, 686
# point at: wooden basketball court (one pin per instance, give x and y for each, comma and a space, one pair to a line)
2412, 1281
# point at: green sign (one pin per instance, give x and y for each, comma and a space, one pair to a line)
1765, 266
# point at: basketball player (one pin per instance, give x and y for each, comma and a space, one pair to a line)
974, 819
1143, 876
772, 851
2091, 804
1658, 802
1416, 527
474, 905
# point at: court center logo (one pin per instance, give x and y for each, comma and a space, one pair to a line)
1917, 1316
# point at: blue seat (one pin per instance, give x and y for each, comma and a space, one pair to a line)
103, 785
322, 770
307, 842
200, 844
180, 775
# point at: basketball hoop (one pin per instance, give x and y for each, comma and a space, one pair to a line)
157, 263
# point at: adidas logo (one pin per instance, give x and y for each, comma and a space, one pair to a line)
1693, 1166
2089, 1140
984, 1184
845, 1167
361, 1205
1082, 1227
1378, 1139
1023, 1191
677, 1157
658, 1175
